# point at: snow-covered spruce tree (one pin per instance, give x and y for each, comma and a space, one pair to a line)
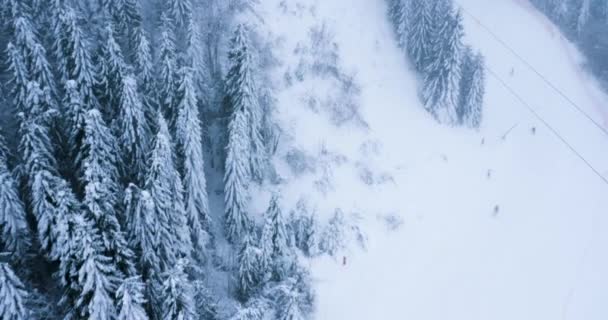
178, 294
100, 178
14, 232
166, 191
111, 74
13, 295
75, 117
33, 53
144, 71
236, 177
399, 15
181, 11
420, 33
282, 254
89, 276
143, 230
74, 58
249, 273
130, 300
334, 234
241, 95
18, 78
167, 61
442, 75
134, 132
266, 249
190, 149
472, 89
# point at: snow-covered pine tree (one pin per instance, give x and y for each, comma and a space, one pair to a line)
312, 235
130, 300
100, 178
111, 74
18, 79
74, 58
134, 132
195, 58
399, 15
75, 117
334, 234
97, 277
236, 177
420, 33
178, 294
280, 238
166, 191
241, 95
190, 148
144, 70
266, 249
248, 273
33, 53
442, 75
13, 295
472, 89
143, 230
14, 232
181, 11
167, 68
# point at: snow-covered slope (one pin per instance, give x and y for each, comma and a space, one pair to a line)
502, 223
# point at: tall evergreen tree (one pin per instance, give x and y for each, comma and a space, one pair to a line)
189, 138
178, 294
420, 33
100, 178
131, 301
14, 232
145, 74
74, 57
236, 177
90, 276
134, 131
168, 67
13, 295
18, 79
442, 78
472, 89
166, 191
249, 273
111, 75
33, 53
181, 11
241, 95
399, 15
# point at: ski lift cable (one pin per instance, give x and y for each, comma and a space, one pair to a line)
533, 69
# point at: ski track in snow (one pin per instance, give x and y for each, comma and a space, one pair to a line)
541, 256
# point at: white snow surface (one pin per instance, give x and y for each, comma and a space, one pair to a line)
542, 255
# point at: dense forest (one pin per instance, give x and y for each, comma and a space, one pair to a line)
121, 120
585, 22
431, 35
113, 112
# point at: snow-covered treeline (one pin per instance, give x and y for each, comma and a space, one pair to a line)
110, 113
431, 32
586, 22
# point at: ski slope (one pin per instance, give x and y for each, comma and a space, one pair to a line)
500, 223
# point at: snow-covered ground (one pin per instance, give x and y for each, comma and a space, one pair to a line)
500, 223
